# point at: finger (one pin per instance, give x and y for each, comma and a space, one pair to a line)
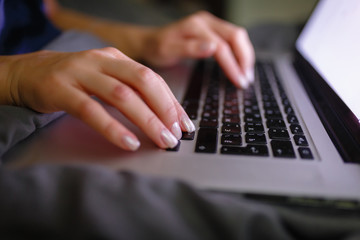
228, 63
225, 57
238, 39
186, 124
133, 107
80, 105
152, 89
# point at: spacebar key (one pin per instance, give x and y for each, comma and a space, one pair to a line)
207, 140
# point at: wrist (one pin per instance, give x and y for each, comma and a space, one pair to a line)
150, 47
7, 97
145, 38
132, 40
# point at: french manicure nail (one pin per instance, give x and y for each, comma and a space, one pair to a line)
243, 81
187, 124
250, 75
176, 130
168, 138
132, 143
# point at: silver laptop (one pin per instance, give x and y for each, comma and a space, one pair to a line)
295, 132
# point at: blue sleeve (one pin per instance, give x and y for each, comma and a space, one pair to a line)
24, 27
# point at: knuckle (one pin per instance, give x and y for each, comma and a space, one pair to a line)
171, 112
109, 129
86, 109
146, 76
239, 33
112, 50
223, 46
195, 19
122, 93
151, 122
98, 53
92, 53
203, 14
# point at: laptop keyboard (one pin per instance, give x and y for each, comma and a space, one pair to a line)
244, 122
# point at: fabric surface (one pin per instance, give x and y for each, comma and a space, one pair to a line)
18, 123
92, 202
24, 27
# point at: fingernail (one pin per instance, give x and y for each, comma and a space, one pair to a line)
168, 138
176, 130
250, 75
243, 82
187, 124
132, 143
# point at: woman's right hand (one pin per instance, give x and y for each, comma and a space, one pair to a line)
47, 81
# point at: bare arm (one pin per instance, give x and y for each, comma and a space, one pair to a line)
126, 37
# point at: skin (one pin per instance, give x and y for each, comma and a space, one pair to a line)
48, 81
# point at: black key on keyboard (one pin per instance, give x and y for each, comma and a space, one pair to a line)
249, 103
234, 128
286, 102
210, 113
190, 104
282, 149
209, 123
255, 138
300, 140
270, 104
252, 118
231, 139
288, 110
211, 106
251, 110
305, 153
254, 127
278, 133
296, 129
273, 113
275, 123
192, 94
292, 119
231, 103
268, 97
192, 114
231, 119
231, 111
206, 141
252, 150
188, 136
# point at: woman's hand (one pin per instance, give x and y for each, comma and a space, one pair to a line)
52, 81
203, 35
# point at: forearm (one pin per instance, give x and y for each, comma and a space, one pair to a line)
126, 37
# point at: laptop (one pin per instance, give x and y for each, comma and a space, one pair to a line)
295, 132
